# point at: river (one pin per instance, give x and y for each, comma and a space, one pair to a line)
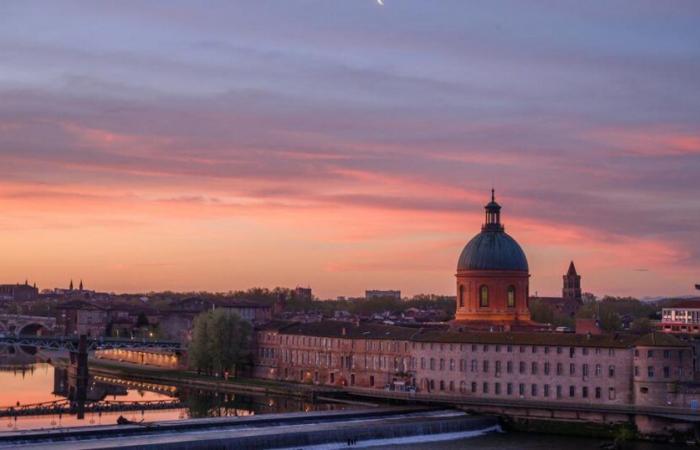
24, 381
523, 441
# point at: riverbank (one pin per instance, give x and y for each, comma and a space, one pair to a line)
194, 380
570, 424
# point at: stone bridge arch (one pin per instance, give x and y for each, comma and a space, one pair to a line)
13, 324
34, 329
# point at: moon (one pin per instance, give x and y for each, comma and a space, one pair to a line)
380, 2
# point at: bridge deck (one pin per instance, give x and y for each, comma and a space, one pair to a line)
71, 343
65, 407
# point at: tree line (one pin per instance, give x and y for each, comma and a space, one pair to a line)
611, 313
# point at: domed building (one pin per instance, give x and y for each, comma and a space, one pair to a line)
493, 277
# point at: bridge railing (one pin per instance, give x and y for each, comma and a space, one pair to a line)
94, 343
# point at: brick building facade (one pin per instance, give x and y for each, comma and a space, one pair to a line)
655, 369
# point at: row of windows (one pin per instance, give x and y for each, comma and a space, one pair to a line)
681, 315
473, 366
265, 352
442, 364
667, 354
351, 361
651, 371
531, 390
484, 296
485, 348
395, 346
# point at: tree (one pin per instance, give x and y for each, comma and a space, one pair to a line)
612, 312
198, 350
220, 342
542, 313
641, 325
142, 320
587, 297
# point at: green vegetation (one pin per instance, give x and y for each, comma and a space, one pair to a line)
220, 343
365, 307
541, 313
641, 325
611, 313
623, 434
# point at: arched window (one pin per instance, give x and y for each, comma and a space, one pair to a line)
461, 295
511, 296
484, 296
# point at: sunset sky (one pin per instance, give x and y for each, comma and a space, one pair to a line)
346, 145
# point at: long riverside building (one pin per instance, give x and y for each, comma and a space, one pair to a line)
656, 369
492, 350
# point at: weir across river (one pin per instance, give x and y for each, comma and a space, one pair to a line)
295, 430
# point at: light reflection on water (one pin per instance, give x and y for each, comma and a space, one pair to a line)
24, 380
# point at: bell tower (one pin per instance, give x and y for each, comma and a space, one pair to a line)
572, 284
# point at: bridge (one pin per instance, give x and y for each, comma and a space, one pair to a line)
65, 406
71, 343
17, 324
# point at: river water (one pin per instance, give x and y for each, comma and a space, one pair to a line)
25, 380
524, 441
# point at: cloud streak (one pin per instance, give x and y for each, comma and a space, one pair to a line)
364, 140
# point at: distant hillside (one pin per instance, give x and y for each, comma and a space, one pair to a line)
670, 301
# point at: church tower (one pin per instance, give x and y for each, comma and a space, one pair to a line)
572, 284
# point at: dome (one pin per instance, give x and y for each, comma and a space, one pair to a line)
492, 250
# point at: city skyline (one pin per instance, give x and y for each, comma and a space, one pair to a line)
348, 145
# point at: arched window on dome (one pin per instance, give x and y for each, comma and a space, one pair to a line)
484, 296
511, 296
461, 296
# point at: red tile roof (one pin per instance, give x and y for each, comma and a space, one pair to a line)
350, 330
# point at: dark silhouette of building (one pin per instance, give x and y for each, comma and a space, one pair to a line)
303, 293
18, 292
571, 300
375, 293
572, 284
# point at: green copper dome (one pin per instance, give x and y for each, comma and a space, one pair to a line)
493, 248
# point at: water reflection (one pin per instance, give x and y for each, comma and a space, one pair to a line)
51, 391
215, 404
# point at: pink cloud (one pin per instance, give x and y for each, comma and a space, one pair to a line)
650, 141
